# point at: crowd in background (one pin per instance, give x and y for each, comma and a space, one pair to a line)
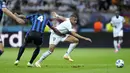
88, 10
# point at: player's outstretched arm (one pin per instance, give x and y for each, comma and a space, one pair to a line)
55, 15
10, 14
81, 37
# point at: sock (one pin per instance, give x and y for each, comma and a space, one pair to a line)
21, 50
115, 45
70, 49
35, 53
44, 55
1, 52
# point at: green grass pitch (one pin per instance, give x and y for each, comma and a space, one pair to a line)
86, 60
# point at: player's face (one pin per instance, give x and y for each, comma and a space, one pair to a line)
73, 20
117, 14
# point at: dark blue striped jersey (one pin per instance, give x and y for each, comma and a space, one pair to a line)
2, 5
39, 21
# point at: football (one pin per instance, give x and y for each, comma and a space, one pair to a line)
119, 63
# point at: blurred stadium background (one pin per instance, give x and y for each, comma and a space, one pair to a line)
89, 12
97, 58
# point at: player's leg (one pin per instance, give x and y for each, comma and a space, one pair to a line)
54, 40
45, 55
22, 48
34, 55
37, 41
1, 47
73, 43
120, 40
115, 42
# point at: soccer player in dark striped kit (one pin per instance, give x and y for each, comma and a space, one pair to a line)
35, 35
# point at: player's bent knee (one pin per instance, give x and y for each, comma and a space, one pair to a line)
76, 40
51, 49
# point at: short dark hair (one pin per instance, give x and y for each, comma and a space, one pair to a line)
74, 15
4, 0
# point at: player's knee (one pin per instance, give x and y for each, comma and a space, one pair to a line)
1, 52
38, 48
76, 40
51, 49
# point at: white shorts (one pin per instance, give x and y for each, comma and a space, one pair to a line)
55, 39
118, 34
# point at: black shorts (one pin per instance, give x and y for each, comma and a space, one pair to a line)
34, 37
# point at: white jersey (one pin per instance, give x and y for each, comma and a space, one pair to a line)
117, 22
118, 25
65, 26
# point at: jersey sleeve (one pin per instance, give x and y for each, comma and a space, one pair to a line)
123, 19
29, 16
69, 27
49, 23
47, 19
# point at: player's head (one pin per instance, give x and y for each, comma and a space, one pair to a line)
4, 0
73, 18
117, 13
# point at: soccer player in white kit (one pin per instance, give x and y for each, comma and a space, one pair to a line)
117, 23
65, 27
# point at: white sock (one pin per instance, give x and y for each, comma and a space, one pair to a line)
115, 45
70, 49
44, 55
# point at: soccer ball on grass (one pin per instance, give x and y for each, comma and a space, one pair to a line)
119, 63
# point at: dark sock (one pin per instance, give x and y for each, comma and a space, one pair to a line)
1, 52
21, 50
35, 53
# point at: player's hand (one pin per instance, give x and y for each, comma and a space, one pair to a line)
88, 39
16, 14
54, 14
20, 21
